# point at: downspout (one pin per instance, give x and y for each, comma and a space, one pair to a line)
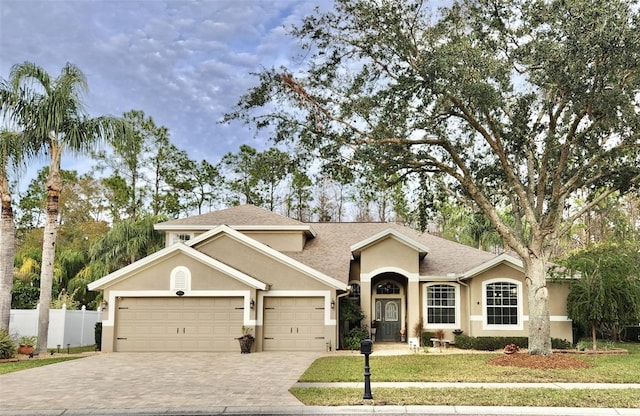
348, 292
468, 303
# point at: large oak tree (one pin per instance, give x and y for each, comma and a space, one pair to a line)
517, 104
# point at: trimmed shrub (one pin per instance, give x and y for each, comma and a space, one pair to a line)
355, 336
560, 344
98, 336
7, 346
464, 342
426, 338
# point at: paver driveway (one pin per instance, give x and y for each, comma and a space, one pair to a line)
156, 380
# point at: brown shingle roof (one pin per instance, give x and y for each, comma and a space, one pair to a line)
329, 252
240, 215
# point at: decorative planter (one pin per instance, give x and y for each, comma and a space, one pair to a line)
245, 344
25, 349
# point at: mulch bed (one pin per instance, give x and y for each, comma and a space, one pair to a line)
545, 362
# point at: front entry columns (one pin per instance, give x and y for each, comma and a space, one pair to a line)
413, 311
365, 301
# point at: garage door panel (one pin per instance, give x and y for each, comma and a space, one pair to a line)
178, 324
292, 324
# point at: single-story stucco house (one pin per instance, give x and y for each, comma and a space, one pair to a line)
283, 279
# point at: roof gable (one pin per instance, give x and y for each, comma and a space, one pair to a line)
356, 249
268, 251
503, 258
160, 255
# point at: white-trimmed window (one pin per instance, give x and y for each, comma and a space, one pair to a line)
181, 237
442, 308
502, 304
181, 279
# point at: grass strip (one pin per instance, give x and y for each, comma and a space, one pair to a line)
542, 397
13, 366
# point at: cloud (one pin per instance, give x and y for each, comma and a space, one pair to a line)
185, 63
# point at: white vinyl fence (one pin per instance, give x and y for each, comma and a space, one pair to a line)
75, 328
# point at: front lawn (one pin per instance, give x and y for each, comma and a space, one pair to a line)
471, 368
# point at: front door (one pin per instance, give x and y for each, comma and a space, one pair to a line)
389, 323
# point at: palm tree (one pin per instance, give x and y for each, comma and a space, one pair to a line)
9, 158
52, 118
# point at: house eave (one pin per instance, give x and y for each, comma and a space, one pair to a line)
501, 259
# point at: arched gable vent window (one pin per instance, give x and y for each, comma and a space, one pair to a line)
180, 278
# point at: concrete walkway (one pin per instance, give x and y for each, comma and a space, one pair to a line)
215, 384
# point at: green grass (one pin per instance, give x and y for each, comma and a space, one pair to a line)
10, 367
471, 368
624, 398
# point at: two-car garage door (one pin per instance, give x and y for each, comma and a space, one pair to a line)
179, 324
192, 324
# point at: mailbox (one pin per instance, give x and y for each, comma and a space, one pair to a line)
366, 346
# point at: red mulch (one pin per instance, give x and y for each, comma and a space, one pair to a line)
545, 362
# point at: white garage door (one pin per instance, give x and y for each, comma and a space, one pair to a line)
178, 324
294, 324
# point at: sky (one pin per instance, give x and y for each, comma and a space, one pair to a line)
184, 63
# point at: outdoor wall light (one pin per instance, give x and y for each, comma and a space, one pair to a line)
252, 304
333, 304
104, 305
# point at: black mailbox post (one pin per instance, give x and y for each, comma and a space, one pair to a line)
366, 348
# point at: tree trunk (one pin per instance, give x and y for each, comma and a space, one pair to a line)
538, 297
7, 249
594, 337
54, 187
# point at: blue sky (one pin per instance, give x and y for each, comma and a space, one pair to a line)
184, 63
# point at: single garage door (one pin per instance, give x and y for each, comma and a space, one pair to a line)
294, 324
178, 324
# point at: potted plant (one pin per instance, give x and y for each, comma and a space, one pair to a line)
246, 340
25, 345
511, 349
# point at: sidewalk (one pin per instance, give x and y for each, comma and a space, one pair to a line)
341, 410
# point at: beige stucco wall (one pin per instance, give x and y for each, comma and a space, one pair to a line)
263, 267
560, 327
389, 253
158, 276
282, 241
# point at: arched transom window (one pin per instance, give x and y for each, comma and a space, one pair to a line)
388, 288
